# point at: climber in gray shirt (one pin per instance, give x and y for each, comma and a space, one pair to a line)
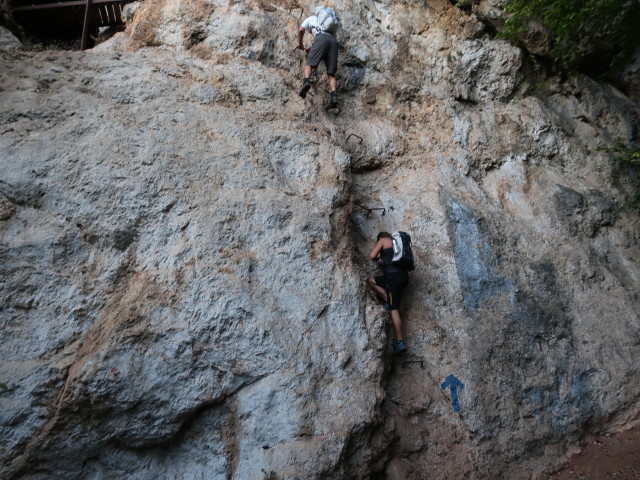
322, 26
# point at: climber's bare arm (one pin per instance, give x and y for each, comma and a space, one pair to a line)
375, 253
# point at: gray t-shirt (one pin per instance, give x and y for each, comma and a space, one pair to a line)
311, 24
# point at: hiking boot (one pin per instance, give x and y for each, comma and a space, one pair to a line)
399, 347
333, 102
306, 85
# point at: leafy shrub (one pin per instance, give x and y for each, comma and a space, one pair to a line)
581, 31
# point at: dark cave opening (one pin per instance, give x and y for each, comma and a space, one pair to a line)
69, 24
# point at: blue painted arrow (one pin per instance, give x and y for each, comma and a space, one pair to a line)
453, 383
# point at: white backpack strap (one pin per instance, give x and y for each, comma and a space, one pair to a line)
397, 246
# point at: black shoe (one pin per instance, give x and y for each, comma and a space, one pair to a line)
333, 103
399, 347
306, 85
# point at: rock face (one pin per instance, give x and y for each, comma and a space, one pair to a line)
185, 240
7, 22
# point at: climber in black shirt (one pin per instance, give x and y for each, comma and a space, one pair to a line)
390, 285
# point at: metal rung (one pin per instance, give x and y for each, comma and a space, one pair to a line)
407, 362
295, 5
369, 210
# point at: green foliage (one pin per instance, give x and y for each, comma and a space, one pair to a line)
3, 386
579, 28
627, 155
628, 158
270, 476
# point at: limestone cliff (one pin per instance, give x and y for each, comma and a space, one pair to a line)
184, 247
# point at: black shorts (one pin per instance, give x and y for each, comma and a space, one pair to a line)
325, 47
393, 282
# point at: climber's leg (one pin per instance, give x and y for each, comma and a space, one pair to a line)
381, 292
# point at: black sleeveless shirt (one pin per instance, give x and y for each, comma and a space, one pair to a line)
386, 254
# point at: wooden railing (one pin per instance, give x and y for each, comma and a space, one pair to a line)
69, 14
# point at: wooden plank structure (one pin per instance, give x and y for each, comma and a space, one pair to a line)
68, 18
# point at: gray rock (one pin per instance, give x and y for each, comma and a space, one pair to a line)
8, 41
184, 244
7, 209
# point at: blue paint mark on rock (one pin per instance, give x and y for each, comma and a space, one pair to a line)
454, 384
350, 77
476, 262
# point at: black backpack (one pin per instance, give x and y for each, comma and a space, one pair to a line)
402, 254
